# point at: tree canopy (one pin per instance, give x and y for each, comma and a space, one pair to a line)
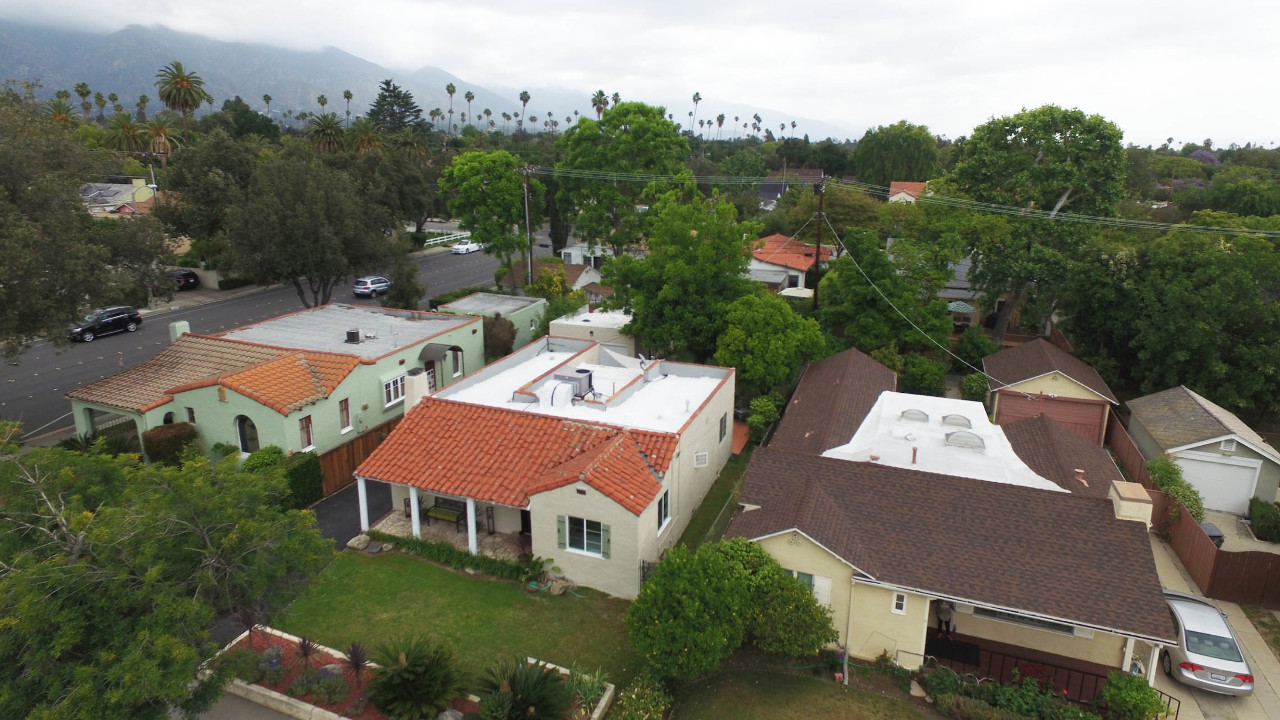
486, 194
394, 108
897, 152
766, 341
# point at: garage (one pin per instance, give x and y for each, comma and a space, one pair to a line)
1225, 483
1083, 416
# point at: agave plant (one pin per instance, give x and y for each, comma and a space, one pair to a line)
525, 691
357, 660
416, 679
305, 654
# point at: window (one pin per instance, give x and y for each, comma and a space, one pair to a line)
584, 536
724, 426
1022, 620
456, 355
664, 509
304, 431
248, 434
168, 418
819, 585
701, 459
191, 415
900, 603
393, 390
344, 414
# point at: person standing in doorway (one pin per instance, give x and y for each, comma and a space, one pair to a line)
946, 618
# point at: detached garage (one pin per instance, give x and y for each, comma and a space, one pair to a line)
1224, 459
1037, 379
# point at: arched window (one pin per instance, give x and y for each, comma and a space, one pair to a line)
248, 434
168, 418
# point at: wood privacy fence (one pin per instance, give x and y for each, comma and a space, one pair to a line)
1248, 577
340, 462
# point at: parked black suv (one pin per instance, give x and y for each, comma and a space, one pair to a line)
186, 279
104, 321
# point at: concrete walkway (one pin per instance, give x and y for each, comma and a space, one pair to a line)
1197, 704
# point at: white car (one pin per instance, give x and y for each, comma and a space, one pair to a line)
467, 246
1207, 655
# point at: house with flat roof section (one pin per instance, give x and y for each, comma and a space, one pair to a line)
602, 326
327, 380
523, 312
782, 263
888, 505
116, 197
590, 458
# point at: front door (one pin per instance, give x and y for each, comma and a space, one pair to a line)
431, 378
526, 523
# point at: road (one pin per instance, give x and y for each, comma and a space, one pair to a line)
32, 391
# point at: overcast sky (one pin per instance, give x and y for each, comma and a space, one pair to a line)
1189, 70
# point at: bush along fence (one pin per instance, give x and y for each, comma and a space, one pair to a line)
446, 554
1030, 696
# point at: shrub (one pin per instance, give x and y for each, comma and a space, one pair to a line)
643, 699
303, 684
944, 703
763, 414
221, 450
1167, 476
330, 690
923, 376
267, 459
587, 688
446, 298
1265, 519
1129, 697
974, 387
165, 443
967, 708
888, 356
233, 283
500, 274
524, 691
306, 478
242, 664
416, 679
940, 682
1024, 697
499, 337
446, 554
971, 347
357, 660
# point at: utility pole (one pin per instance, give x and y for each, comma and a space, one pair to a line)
526, 171
819, 189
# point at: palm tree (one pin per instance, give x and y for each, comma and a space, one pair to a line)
267, 99
450, 89
365, 137
719, 124
434, 115
126, 135
60, 111
506, 118
599, 102
410, 144
492, 125
488, 115
322, 101
524, 102
697, 98
616, 99
180, 90
82, 89
209, 100
325, 132
116, 107
63, 95
469, 96
143, 101
793, 127
158, 131
346, 95
101, 101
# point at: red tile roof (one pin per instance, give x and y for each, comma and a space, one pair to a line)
782, 250
292, 382
911, 188
504, 456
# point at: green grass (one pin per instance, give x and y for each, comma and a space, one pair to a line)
751, 694
709, 522
1267, 625
374, 599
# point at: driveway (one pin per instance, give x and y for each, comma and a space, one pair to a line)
1236, 535
338, 515
1197, 704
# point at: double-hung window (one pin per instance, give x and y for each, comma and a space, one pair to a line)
664, 509
344, 414
588, 537
304, 430
456, 355
393, 390
724, 426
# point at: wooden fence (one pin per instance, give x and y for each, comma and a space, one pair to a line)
340, 462
1248, 577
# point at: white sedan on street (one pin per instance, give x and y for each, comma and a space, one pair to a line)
467, 246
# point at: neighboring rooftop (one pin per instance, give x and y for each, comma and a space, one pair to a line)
611, 319
938, 435
782, 250
1038, 358
483, 303
1050, 554
1178, 417
828, 404
913, 189
324, 329
292, 382
1055, 452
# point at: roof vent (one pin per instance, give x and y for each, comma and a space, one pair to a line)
915, 415
579, 378
966, 439
353, 336
956, 420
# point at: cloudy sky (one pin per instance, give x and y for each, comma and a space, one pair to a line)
1187, 70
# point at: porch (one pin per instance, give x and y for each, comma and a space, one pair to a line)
502, 546
476, 527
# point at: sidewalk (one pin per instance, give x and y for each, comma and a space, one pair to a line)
1264, 704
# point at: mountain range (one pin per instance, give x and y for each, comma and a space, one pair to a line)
126, 61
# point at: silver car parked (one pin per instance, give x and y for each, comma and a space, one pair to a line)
1207, 655
371, 286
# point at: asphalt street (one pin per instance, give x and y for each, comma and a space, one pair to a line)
32, 391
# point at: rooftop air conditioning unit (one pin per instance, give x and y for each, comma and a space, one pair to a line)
353, 336
580, 380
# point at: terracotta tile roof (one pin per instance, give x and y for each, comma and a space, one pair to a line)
1055, 555
830, 402
1040, 357
189, 359
911, 188
782, 250
293, 382
1054, 452
1178, 416
504, 456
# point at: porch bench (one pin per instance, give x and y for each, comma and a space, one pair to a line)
454, 511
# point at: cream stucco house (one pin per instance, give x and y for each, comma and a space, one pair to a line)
596, 459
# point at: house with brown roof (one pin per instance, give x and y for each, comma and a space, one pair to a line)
316, 380
781, 262
1038, 378
589, 458
1221, 456
888, 504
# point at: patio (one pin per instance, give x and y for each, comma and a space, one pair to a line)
502, 546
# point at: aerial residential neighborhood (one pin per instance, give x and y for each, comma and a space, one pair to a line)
339, 390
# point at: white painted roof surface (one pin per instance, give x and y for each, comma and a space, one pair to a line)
324, 329
490, 303
612, 319
892, 438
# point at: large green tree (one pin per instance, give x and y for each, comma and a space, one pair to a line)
629, 138
180, 91
394, 108
897, 152
1045, 160
304, 223
207, 179
486, 193
766, 341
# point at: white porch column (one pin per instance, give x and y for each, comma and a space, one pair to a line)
1151, 664
472, 545
413, 512
364, 503
1127, 662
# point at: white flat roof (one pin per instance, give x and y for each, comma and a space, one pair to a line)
490, 303
621, 394
324, 329
921, 432
612, 319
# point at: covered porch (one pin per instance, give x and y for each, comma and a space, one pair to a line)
476, 527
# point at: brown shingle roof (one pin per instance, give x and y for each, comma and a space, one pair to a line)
829, 403
1039, 357
504, 456
1178, 416
189, 359
1055, 555
1055, 452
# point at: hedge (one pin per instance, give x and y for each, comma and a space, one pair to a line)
164, 443
446, 554
306, 478
233, 283
1167, 476
1265, 519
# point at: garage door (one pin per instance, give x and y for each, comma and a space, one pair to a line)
1082, 416
1225, 484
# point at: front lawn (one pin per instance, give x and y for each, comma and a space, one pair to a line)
751, 694
376, 598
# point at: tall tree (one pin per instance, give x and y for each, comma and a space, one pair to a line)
161, 144
346, 95
325, 132
767, 342
83, 92
469, 96
697, 98
323, 102
101, 101
207, 178
599, 102
486, 194
898, 152
524, 103
180, 90
126, 135
394, 108
60, 112
143, 101
450, 90
267, 99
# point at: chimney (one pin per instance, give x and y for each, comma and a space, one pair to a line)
178, 329
415, 387
1080, 477
1131, 501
